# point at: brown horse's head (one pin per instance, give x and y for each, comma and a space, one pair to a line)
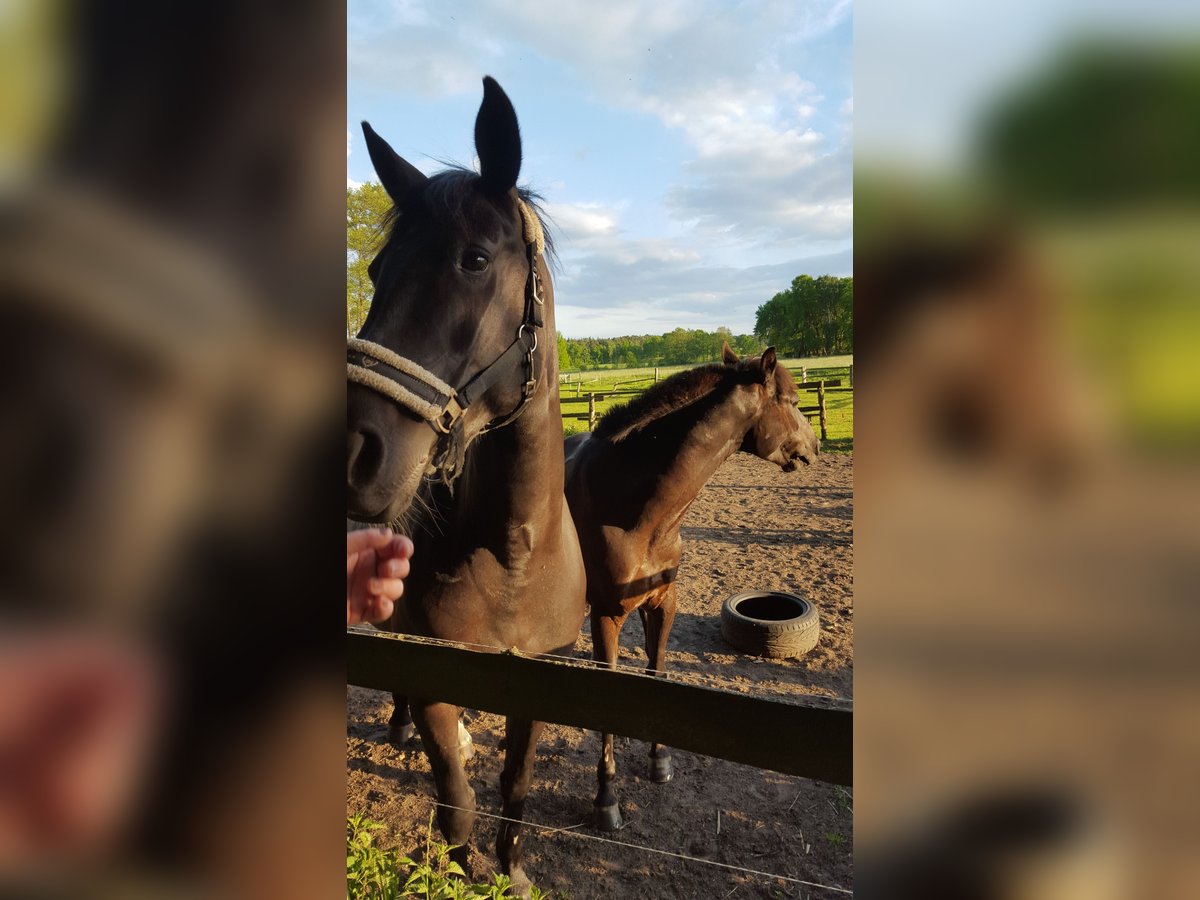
781, 434
451, 287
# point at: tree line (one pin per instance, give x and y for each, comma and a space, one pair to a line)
681, 347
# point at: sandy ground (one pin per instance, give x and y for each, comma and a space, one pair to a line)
751, 527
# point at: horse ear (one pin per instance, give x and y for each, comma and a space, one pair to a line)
497, 138
768, 362
397, 176
727, 355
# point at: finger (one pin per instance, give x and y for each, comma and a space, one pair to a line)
358, 582
399, 547
368, 539
392, 588
358, 607
379, 609
392, 568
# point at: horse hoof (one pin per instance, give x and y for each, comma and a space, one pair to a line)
521, 885
661, 769
401, 734
608, 818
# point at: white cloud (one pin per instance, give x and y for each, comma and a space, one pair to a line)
767, 166
582, 223
639, 287
726, 81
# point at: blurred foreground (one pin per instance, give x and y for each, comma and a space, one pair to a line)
1028, 528
171, 261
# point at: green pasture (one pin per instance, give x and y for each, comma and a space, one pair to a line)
839, 402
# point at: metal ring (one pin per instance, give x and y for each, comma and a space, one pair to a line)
527, 328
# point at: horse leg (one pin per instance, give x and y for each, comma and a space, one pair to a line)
656, 623
514, 788
606, 632
438, 725
400, 728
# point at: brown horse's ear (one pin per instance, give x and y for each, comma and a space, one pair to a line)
727, 355
768, 362
397, 176
497, 138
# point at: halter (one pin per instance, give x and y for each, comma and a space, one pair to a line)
442, 407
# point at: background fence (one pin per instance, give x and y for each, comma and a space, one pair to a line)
826, 396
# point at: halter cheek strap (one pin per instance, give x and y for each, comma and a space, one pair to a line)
415, 388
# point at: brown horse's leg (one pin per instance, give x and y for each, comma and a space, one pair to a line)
400, 728
656, 623
606, 632
438, 724
519, 756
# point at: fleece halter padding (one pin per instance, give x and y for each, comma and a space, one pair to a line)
372, 357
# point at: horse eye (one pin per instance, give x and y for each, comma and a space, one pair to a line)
474, 261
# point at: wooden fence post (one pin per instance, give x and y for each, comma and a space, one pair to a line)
851, 374
578, 386
656, 374
821, 407
803, 374
591, 412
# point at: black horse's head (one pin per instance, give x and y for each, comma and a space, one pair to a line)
457, 303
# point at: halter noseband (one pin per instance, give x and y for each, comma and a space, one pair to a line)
417, 389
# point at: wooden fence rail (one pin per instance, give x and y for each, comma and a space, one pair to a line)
810, 740
591, 398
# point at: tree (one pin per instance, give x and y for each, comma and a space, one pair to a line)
1110, 126
813, 317
564, 355
366, 207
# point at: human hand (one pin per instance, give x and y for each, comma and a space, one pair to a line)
376, 566
77, 716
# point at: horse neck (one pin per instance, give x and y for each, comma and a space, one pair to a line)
697, 442
523, 462
518, 469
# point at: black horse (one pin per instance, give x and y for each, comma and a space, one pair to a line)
454, 405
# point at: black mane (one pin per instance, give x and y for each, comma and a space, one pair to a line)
680, 390
446, 193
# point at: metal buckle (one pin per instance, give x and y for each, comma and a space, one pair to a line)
449, 415
537, 286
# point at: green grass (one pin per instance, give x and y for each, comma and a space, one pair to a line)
375, 874
839, 404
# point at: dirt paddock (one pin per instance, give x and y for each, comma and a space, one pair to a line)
752, 527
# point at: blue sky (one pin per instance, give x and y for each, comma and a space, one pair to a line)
694, 155
927, 69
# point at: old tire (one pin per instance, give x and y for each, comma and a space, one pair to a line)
770, 623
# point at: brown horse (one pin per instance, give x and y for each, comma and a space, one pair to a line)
630, 483
454, 404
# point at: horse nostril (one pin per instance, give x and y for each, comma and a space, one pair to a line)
364, 457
